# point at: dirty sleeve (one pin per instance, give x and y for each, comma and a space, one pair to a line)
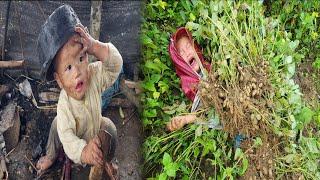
66, 126
106, 72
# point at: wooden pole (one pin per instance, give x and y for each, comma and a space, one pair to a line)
11, 64
95, 21
3, 49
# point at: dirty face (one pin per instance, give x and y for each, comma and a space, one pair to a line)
186, 51
71, 68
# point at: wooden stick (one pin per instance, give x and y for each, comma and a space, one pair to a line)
30, 162
124, 103
11, 64
9, 152
129, 118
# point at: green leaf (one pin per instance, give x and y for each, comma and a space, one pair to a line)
171, 169
163, 86
229, 153
196, 152
245, 164
293, 44
149, 86
305, 116
169, 111
155, 78
277, 58
228, 172
152, 103
166, 159
257, 142
186, 5
204, 13
208, 146
288, 60
162, 4
156, 95
198, 131
192, 26
163, 176
238, 154
316, 63
160, 64
150, 113
291, 69
154, 66
312, 166
182, 107
312, 145
192, 17
289, 158
147, 41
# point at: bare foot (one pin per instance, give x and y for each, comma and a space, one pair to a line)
44, 163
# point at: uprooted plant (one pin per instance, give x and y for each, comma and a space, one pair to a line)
239, 86
246, 78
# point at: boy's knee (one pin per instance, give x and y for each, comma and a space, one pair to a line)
54, 123
53, 143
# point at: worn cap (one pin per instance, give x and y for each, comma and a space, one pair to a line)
54, 33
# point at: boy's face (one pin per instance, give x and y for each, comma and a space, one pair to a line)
186, 51
71, 66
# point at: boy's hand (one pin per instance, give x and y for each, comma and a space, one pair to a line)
179, 121
85, 39
92, 154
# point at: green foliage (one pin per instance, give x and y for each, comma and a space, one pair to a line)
195, 146
301, 19
161, 85
316, 63
230, 32
170, 167
292, 117
194, 156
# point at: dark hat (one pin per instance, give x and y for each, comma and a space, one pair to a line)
54, 33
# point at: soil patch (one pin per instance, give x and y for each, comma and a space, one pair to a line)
308, 79
243, 105
244, 108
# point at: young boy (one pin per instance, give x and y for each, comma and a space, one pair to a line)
183, 52
64, 45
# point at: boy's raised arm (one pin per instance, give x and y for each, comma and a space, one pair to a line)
107, 71
92, 46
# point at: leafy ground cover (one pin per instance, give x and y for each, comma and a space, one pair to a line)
262, 55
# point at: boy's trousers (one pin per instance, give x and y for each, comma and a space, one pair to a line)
54, 144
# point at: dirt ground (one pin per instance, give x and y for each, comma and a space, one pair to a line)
308, 84
35, 125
